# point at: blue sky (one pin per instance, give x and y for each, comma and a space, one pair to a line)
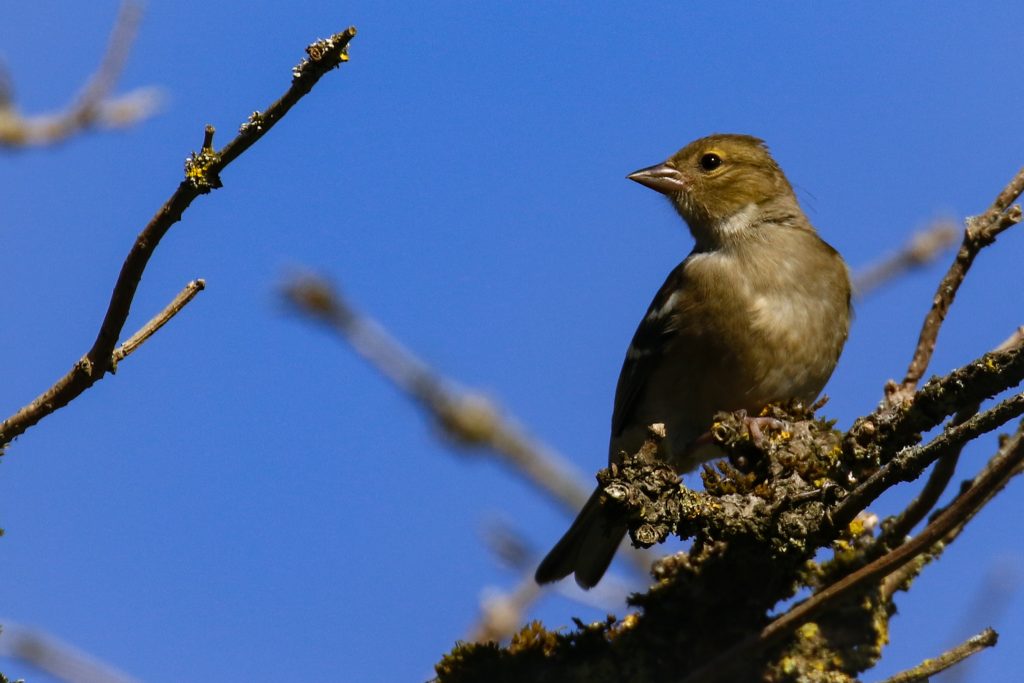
246, 500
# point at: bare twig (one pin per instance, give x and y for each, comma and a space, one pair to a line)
981, 231
202, 174
930, 667
994, 477
469, 418
159, 320
922, 248
502, 614
93, 107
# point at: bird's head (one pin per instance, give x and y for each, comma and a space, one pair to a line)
715, 182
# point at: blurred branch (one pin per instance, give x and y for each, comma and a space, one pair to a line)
93, 107
469, 418
923, 247
1013, 341
980, 232
202, 174
930, 667
503, 613
57, 658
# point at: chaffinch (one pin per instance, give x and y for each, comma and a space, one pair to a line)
757, 313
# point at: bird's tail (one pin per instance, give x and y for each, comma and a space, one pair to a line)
589, 545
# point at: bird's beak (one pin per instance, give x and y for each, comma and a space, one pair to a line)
662, 178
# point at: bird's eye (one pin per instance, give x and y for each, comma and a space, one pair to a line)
710, 161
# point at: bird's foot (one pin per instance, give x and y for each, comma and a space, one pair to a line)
756, 426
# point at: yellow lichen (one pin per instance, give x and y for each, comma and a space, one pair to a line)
809, 630
533, 636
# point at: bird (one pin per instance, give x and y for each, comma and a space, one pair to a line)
757, 313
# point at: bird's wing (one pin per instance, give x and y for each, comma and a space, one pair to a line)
651, 340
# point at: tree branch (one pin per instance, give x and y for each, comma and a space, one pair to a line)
890, 429
895, 529
980, 232
910, 462
202, 174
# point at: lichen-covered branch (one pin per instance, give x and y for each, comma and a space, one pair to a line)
755, 531
941, 397
908, 463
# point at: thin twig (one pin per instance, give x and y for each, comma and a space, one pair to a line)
93, 106
981, 231
202, 174
1000, 469
930, 667
922, 248
1007, 445
159, 320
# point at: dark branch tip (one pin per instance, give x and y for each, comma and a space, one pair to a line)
208, 137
